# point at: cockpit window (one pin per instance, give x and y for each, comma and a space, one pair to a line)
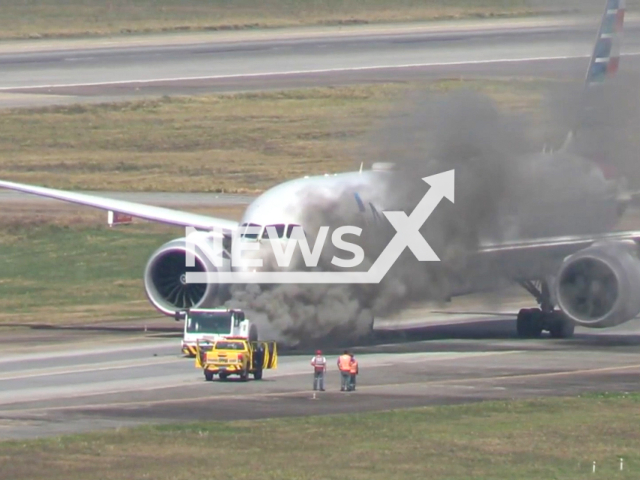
279, 231
251, 231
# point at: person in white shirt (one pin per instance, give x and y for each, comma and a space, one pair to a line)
319, 364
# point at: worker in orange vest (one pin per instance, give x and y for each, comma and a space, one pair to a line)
344, 365
353, 371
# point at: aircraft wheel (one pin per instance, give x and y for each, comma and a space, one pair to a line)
522, 322
560, 326
529, 323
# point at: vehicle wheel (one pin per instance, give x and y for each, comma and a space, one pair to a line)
561, 326
223, 376
257, 375
253, 333
208, 376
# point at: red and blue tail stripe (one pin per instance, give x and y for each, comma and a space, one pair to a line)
606, 53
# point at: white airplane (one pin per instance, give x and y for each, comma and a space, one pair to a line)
589, 279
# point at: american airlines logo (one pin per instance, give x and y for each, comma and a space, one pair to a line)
246, 270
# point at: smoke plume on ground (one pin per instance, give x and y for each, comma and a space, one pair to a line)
503, 190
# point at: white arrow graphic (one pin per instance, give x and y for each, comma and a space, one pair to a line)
408, 228
407, 235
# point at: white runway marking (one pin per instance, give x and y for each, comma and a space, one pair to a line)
304, 72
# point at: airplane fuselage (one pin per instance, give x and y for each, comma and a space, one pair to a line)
547, 203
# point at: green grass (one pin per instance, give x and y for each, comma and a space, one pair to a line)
230, 143
50, 271
536, 439
70, 267
28, 18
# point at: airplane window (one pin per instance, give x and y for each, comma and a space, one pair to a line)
278, 228
251, 235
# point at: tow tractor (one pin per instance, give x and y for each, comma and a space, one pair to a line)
235, 356
212, 324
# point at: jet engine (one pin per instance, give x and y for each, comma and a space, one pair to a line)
599, 286
165, 276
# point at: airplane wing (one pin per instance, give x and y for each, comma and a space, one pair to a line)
147, 212
555, 246
524, 251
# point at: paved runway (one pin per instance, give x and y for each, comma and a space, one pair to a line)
101, 381
213, 64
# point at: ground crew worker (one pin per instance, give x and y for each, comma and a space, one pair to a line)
353, 370
344, 365
319, 364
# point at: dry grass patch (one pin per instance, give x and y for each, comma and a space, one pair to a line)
23, 18
217, 143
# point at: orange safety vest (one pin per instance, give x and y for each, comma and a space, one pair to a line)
344, 363
354, 367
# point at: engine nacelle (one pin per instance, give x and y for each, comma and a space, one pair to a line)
165, 277
599, 286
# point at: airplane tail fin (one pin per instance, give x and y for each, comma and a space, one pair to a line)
604, 62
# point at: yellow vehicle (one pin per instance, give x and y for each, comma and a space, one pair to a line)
235, 356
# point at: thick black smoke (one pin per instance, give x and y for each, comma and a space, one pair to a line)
607, 120
504, 189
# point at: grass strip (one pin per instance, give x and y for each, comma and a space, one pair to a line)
217, 143
73, 18
532, 439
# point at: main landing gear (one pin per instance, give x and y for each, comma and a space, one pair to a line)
533, 321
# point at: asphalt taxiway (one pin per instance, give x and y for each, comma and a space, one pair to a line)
103, 380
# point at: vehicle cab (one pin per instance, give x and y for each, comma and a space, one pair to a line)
235, 356
210, 325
